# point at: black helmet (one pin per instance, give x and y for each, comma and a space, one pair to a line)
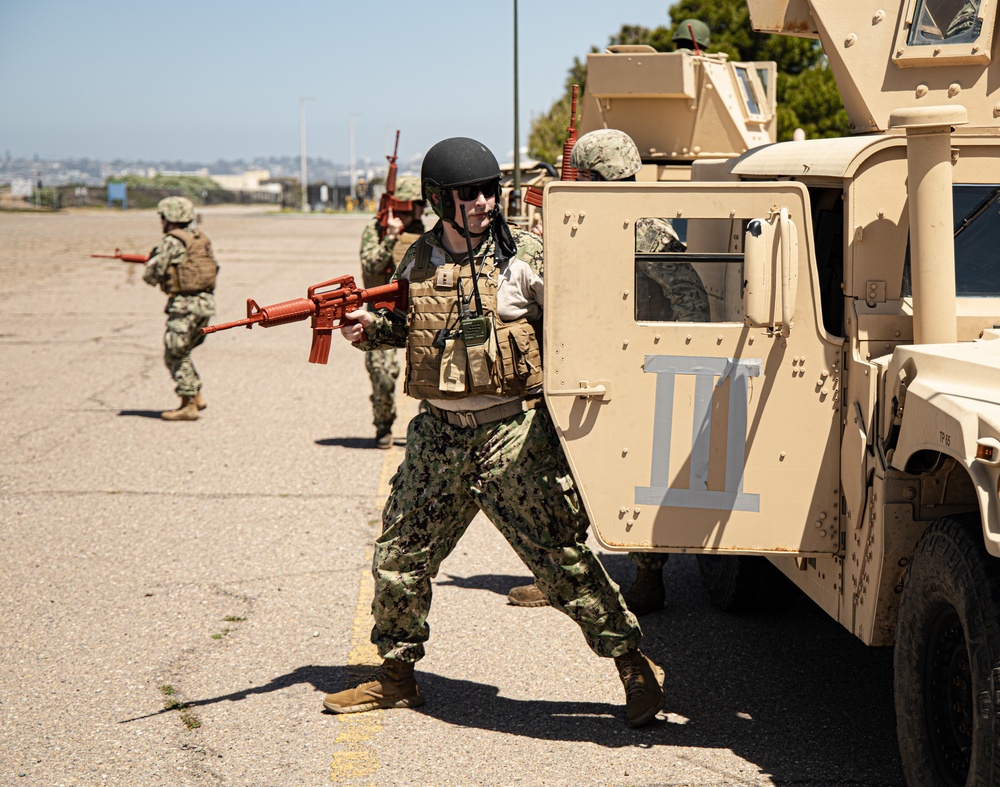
453, 162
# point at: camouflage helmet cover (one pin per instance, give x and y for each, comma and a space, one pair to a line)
408, 189
177, 210
702, 34
607, 151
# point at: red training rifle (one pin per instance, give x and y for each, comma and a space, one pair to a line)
533, 196
389, 201
119, 255
327, 303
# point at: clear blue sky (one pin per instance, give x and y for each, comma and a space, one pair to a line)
205, 80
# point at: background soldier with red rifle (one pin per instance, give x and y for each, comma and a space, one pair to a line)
183, 266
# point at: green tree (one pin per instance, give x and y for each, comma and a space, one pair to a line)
549, 132
806, 91
190, 186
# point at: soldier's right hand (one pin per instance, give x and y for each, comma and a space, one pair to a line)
354, 331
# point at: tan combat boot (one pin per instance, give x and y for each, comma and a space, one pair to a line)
393, 686
188, 411
199, 401
527, 596
643, 682
646, 594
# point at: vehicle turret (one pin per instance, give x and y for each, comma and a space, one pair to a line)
680, 106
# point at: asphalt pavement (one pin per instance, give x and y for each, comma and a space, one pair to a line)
176, 598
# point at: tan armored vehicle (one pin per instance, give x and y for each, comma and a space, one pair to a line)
679, 107
838, 420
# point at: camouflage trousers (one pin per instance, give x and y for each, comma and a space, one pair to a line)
516, 473
181, 337
383, 369
649, 561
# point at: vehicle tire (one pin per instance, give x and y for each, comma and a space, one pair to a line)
947, 659
742, 583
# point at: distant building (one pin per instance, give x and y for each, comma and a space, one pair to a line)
198, 173
251, 180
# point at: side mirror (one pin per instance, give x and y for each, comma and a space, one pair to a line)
770, 272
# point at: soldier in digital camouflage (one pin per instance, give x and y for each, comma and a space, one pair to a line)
664, 291
485, 442
183, 265
382, 249
966, 24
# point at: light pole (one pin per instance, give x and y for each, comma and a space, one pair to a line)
354, 182
302, 150
515, 197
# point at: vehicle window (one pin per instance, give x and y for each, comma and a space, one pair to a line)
676, 284
764, 76
945, 21
977, 242
749, 94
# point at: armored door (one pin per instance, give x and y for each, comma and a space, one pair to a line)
691, 436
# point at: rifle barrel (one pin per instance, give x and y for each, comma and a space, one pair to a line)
249, 322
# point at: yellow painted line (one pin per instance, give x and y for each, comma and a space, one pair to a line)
355, 757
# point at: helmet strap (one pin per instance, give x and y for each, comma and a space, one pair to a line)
505, 246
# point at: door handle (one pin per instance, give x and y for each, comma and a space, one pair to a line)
599, 390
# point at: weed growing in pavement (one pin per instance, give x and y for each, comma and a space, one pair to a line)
190, 721
228, 619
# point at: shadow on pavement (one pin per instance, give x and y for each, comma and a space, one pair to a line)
357, 442
348, 442
325, 679
495, 583
140, 414
794, 694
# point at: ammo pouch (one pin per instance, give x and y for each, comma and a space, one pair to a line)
482, 372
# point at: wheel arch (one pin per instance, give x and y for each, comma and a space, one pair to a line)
949, 484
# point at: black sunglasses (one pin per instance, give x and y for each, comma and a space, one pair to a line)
469, 192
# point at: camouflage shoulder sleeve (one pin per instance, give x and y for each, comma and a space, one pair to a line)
529, 249
168, 251
376, 255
